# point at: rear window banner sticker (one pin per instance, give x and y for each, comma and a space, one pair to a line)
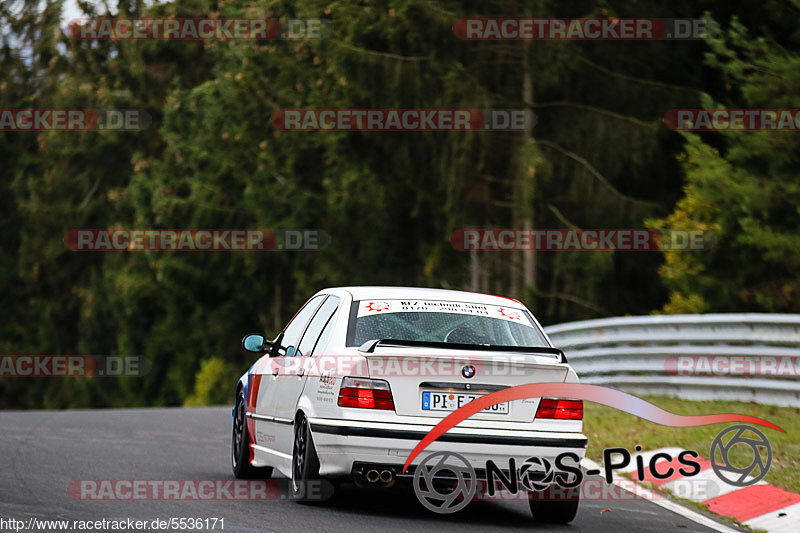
382, 307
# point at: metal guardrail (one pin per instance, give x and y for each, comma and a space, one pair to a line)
641, 354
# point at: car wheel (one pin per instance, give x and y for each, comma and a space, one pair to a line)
240, 446
305, 464
555, 512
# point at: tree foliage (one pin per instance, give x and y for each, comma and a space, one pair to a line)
598, 157
745, 188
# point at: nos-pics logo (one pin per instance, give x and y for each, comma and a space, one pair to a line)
740, 437
445, 482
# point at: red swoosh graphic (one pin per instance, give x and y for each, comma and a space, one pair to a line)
619, 400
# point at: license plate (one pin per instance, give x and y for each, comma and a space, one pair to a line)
450, 401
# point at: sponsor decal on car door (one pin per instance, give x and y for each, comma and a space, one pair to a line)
288, 385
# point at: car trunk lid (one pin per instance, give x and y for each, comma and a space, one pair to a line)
431, 380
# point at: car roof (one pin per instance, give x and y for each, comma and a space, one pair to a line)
421, 293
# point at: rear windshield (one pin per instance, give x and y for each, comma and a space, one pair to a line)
439, 321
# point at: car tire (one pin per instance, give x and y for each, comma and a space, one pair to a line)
305, 483
240, 446
555, 512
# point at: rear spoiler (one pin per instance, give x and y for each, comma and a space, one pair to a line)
369, 347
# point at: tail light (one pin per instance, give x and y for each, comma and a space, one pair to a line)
366, 393
560, 409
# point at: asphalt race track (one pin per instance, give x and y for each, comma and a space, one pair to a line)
41, 452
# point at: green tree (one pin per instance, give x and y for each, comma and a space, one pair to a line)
744, 187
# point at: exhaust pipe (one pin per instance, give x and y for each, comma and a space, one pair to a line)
375, 477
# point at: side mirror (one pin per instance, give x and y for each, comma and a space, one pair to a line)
255, 343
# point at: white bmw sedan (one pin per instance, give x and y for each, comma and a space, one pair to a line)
361, 374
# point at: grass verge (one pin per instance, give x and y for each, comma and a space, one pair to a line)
609, 428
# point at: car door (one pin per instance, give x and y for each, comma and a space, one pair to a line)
290, 385
266, 428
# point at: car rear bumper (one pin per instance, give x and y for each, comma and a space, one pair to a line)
341, 443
